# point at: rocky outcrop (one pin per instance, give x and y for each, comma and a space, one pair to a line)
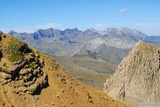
137, 78
26, 73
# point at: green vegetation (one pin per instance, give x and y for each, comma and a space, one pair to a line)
86, 63
38, 75
13, 44
57, 66
93, 79
15, 57
80, 68
4, 64
31, 65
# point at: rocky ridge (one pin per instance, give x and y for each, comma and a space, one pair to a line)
137, 77
31, 79
20, 68
73, 42
70, 41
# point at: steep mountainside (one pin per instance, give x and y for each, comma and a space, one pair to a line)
29, 78
137, 78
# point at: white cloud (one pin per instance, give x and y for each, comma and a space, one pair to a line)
122, 10
148, 28
147, 24
100, 25
19, 29
31, 29
5, 30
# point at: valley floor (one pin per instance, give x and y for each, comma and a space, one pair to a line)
93, 79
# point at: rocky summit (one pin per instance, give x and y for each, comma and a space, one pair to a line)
137, 79
29, 78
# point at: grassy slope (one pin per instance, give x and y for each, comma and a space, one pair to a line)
86, 64
93, 79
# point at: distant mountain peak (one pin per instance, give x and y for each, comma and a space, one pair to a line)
12, 32
72, 29
132, 32
91, 29
125, 28
75, 28
110, 29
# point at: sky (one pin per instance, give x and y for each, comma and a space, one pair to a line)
31, 15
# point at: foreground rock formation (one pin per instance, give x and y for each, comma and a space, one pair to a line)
29, 78
137, 78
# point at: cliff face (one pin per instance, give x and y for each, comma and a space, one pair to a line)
137, 78
29, 78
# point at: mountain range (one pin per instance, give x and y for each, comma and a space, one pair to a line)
110, 45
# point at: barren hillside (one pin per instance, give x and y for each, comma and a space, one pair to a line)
29, 78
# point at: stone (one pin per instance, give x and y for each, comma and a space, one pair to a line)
1, 54
1, 33
5, 76
137, 77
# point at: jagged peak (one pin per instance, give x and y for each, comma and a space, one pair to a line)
12, 32
141, 45
132, 32
91, 29
124, 28
72, 29
110, 29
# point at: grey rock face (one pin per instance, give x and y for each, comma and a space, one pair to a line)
137, 78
